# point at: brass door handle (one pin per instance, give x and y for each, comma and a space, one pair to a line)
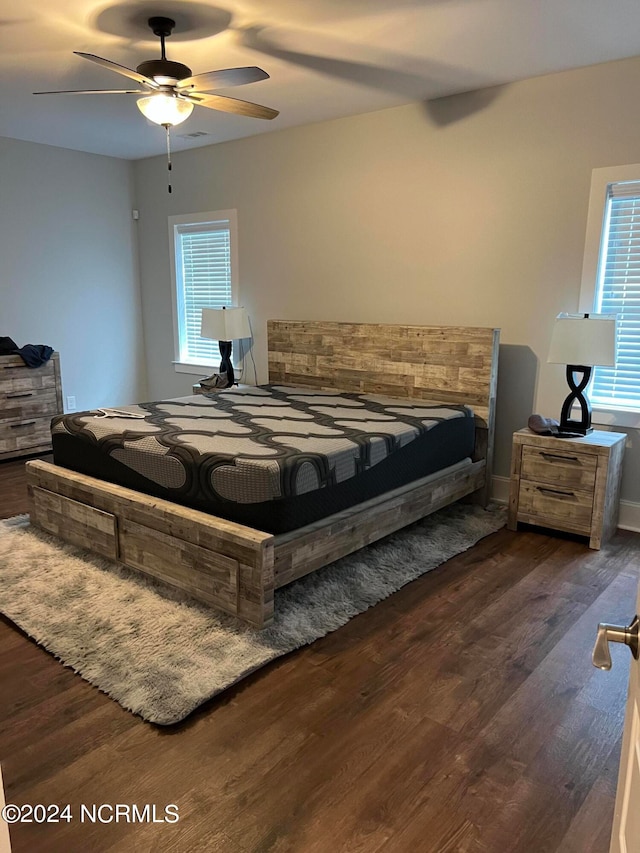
615, 634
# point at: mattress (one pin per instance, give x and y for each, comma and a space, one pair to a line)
272, 457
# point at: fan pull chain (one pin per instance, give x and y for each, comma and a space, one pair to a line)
167, 127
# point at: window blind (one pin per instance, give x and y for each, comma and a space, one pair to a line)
204, 270
618, 292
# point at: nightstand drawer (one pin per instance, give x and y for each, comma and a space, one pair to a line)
555, 506
559, 468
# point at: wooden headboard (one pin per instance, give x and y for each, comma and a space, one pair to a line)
446, 363
454, 364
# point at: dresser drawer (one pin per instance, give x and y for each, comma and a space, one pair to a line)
26, 405
21, 435
15, 378
555, 506
558, 468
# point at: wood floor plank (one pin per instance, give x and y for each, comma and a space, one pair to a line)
13, 494
461, 715
589, 831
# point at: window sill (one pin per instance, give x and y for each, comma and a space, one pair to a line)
616, 417
195, 369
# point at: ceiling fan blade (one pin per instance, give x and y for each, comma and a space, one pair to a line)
119, 69
232, 105
221, 79
95, 92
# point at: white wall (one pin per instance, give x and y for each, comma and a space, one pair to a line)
70, 267
470, 210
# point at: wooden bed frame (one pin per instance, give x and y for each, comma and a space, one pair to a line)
236, 568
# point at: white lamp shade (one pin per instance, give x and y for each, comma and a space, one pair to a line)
165, 109
586, 340
225, 324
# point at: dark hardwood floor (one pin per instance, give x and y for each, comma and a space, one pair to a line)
461, 715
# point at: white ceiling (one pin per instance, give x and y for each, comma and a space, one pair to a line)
326, 58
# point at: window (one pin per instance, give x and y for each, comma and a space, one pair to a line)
611, 285
204, 273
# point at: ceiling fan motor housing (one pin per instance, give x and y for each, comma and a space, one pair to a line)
163, 68
161, 26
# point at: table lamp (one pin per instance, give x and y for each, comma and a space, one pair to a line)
581, 341
225, 325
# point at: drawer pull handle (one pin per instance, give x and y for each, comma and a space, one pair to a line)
555, 492
559, 456
15, 396
24, 423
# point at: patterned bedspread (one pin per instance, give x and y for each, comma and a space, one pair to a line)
256, 444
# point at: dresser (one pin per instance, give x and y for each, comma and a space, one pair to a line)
29, 398
570, 484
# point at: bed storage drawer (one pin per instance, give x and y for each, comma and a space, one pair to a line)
557, 507
180, 563
566, 469
75, 522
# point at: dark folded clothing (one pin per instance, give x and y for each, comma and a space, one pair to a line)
7, 346
34, 355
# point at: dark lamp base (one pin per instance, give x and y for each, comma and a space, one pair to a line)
574, 430
225, 364
582, 426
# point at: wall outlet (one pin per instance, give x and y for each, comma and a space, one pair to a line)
71, 404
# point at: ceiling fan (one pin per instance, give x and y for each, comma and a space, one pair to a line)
170, 91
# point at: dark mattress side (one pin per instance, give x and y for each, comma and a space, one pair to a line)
443, 445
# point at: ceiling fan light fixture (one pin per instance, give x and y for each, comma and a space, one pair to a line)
165, 109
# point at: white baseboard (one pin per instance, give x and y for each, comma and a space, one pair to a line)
629, 516
500, 490
629, 510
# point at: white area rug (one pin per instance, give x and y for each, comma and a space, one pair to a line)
160, 656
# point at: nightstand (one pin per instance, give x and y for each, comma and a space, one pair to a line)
570, 484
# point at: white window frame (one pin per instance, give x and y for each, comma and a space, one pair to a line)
600, 181
199, 219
